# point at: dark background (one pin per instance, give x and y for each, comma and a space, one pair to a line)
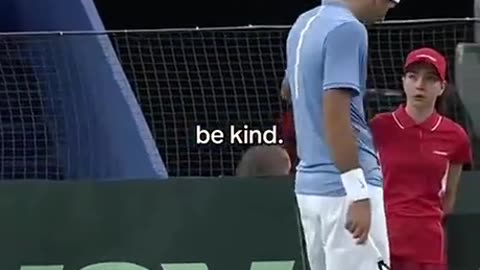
194, 69
140, 14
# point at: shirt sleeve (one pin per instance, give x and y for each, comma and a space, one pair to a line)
378, 127
345, 48
374, 129
462, 153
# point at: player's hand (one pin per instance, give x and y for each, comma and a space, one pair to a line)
359, 220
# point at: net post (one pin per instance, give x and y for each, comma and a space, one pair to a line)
467, 68
476, 14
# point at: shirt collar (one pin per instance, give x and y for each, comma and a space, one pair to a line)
338, 3
403, 120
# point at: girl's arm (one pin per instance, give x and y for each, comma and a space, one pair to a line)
453, 178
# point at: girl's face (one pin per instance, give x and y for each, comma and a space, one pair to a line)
422, 85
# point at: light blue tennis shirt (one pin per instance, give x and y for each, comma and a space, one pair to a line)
327, 48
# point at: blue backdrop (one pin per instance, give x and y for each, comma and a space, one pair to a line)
94, 122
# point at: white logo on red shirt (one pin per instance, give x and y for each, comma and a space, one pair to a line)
440, 153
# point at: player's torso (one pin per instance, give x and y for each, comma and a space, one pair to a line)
316, 172
415, 163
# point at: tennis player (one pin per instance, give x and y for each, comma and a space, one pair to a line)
421, 154
338, 179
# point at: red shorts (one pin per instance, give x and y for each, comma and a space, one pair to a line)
398, 263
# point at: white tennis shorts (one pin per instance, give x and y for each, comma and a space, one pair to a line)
330, 246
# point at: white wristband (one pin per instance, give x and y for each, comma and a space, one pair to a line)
355, 184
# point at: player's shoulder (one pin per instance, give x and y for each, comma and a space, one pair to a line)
333, 20
307, 14
348, 30
303, 20
348, 22
351, 30
312, 13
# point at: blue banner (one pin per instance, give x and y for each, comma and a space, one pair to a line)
87, 109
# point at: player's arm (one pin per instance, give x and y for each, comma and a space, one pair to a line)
345, 46
453, 178
338, 129
285, 89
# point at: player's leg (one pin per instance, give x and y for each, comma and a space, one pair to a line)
341, 250
309, 207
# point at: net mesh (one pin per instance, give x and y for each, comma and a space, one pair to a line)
213, 79
27, 149
389, 45
182, 78
220, 77
56, 94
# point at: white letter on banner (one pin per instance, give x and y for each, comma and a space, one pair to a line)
285, 265
185, 266
41, 267
114, 266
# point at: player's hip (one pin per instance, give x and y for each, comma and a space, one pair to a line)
327, 182
323, 204
323, 219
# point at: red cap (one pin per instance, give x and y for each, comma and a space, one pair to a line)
430, 56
